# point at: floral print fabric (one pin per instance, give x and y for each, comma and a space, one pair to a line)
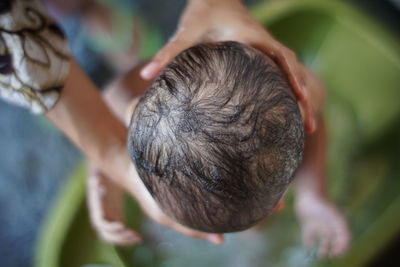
34, 61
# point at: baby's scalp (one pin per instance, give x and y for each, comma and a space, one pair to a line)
217, 137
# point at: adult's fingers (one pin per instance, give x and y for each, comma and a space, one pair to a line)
294, 71
152, 209
216, 239
308, 116
286, 59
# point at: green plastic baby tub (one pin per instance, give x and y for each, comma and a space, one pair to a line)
360, 63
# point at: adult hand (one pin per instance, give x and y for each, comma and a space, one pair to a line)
228, 20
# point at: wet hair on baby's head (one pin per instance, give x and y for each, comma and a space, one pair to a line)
217, 137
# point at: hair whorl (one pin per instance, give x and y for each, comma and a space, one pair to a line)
217, 137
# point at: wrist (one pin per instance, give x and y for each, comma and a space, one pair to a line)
308, 201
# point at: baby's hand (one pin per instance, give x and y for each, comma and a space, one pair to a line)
323, 226
106, 210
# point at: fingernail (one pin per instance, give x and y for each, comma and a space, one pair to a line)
215, 239
149, 71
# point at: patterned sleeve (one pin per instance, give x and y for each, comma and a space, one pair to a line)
34, 61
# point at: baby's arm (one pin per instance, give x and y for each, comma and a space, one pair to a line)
105, 201
322, 223
105, 198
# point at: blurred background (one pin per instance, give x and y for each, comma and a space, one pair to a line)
37, 162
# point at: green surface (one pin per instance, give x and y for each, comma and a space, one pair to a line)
69, 239
360, 63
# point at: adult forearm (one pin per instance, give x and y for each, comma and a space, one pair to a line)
82, 115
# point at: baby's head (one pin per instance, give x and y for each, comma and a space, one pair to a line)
217, 137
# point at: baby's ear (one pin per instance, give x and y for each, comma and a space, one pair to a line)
130, 110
